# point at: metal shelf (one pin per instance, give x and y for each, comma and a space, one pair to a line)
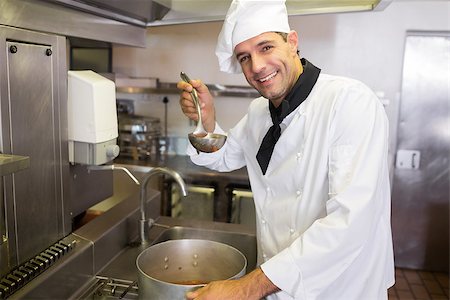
216, 90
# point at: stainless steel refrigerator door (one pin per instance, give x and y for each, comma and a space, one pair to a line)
33, 123
420, 195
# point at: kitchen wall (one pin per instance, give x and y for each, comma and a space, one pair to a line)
367, 46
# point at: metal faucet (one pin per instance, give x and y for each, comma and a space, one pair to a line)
144, 223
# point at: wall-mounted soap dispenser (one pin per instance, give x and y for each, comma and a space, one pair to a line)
92, 118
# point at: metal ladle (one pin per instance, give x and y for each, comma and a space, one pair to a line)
201, 139
199, 130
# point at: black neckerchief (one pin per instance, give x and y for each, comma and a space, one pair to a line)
296, 96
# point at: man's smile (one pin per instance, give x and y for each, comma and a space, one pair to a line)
268, 77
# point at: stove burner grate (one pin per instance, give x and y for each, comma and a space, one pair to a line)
105, 288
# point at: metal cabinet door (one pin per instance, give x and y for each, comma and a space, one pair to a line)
32, 111
420, 191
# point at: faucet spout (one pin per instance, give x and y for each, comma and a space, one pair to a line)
144, 222
113, 167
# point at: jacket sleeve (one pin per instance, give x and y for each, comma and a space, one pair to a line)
357, 170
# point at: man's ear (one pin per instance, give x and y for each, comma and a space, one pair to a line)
292, 39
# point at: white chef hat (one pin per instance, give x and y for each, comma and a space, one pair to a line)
246, 19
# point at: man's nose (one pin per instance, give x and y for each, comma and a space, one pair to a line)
258, 63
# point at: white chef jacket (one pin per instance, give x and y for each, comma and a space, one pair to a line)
323, 206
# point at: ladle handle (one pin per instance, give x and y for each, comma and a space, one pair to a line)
194, 95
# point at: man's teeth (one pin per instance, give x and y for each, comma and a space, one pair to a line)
268, 77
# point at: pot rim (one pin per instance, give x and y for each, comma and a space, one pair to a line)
244, 267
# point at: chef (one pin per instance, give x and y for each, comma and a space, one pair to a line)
315, 147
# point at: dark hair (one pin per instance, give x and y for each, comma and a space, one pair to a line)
283, 35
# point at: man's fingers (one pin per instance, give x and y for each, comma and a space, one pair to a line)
199, 86
182, 85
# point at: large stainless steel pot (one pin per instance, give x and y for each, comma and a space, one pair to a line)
170, 269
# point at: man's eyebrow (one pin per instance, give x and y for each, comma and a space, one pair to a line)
239, 54
265, 42
262, 43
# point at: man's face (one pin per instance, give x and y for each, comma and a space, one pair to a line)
270, 64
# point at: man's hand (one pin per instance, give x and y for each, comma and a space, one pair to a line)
206, 103
254, 285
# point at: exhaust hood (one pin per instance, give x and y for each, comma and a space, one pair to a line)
147, 13
191, 11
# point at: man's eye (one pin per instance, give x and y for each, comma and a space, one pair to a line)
265, 48
243, 59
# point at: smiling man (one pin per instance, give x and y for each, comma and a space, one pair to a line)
270, 63
315, 147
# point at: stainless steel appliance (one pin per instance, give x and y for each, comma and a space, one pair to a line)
243, 208
33, 109
39, 203
139, 137
420, 192
198, 204
164, 12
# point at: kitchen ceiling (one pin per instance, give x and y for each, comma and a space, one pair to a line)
147, 13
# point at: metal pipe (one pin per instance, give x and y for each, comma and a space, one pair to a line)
113, 167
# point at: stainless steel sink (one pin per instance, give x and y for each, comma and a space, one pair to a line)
246, 243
